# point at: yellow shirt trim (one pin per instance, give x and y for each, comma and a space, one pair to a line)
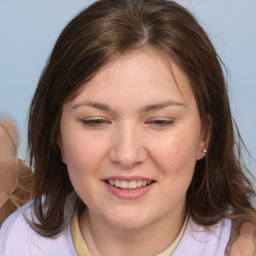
171, 248
82, 249
78, 240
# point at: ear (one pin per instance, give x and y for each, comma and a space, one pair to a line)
60, 146
205, 139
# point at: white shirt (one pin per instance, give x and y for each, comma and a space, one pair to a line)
17, 238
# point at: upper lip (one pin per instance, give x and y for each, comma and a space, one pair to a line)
127, 178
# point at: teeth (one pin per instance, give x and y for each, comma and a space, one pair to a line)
138, 183
124, 184
117, 183
133, 184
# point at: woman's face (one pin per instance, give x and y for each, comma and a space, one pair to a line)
131, 139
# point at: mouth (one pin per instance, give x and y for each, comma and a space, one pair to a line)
130, 185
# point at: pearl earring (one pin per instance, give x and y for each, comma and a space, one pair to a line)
204, 151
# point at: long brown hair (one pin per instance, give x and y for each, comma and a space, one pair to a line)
102, 32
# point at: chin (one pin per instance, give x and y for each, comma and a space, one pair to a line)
130, 224
130, 219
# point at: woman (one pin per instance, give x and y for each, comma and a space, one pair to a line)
132, 142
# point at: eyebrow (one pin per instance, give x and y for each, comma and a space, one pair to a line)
97, 105
160, 105
144, 109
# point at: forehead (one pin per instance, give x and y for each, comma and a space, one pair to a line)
144, 74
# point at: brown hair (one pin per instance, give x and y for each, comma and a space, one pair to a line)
102, 32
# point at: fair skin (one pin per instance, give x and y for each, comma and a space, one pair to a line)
132, 123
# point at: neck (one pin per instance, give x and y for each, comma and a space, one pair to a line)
104, 239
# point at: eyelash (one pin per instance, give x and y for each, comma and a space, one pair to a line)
161, 122
101, 122
94, 122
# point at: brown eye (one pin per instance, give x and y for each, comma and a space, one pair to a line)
95, 122
161, 122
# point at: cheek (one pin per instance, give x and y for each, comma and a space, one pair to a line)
175, 162
175, 155
82, 162
83, 153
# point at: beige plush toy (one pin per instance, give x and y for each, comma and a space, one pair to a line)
15, 176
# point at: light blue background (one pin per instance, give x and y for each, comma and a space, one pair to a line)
29, 28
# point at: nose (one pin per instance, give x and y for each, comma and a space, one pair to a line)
127, 149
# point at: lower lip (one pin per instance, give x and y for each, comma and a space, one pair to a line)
129, 193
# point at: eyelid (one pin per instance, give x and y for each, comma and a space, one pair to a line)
95, 121
161, 122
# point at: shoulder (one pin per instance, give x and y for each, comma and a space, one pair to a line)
16, 220
227, 237
200, 240
16, 231
242, 240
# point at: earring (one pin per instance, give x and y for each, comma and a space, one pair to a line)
204, 151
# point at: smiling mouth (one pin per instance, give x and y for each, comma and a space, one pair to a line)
133, 184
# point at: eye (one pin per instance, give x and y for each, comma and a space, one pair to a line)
97, 122
161, 122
